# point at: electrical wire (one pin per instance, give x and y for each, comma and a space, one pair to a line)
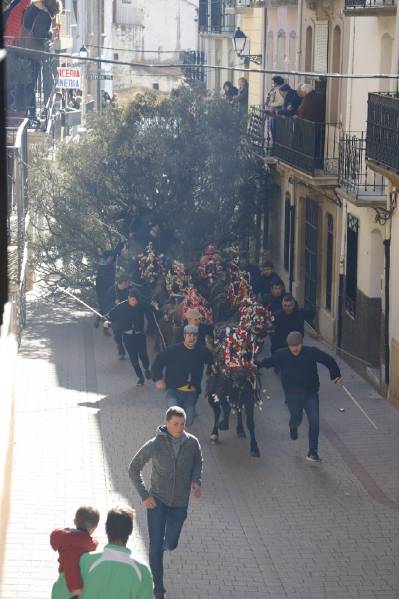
310, 74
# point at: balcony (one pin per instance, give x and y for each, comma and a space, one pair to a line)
215, 18
382, 139
310, 147
369, 8
364, 186
243, 6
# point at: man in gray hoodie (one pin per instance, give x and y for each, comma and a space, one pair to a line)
176, 472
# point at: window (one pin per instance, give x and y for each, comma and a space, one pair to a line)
309, 50
352, 234
329, 260
287, 232
281, 50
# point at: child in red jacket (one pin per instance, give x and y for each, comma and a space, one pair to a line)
72, 542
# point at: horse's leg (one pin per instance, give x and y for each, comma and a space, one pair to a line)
240, 426
249, 413
215, 405
224, 425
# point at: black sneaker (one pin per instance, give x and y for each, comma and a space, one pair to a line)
294, 434
140, 382
147, 375
313, 457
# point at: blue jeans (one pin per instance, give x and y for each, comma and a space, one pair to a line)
164, 528
310, 403
183, 399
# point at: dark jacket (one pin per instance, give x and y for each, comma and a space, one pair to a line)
264, 283
231, 93
299, 373
312, 107
254, 273
105, 277
36, 20
171, 476
241, 100
115, 296
286, 323
291, 104
181, 365
272, 303
127, 318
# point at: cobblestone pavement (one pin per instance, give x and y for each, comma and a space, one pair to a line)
276, 527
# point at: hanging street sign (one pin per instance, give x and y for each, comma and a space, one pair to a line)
99, 77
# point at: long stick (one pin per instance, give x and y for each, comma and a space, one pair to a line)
349, 394
160, 332
81, 302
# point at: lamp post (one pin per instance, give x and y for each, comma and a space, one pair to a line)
83, 54
240, 43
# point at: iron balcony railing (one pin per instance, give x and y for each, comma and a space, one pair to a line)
196, 58
30, 86
382, 140
258, 130
354, 175
369, 6
212, 17
17, 219
310, 147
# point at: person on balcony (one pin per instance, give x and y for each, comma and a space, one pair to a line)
230, 91
291, 101
312, 107
35, 34
241, 99
274, 100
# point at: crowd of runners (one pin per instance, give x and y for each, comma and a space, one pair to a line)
211, 327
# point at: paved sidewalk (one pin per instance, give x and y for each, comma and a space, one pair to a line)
276, 527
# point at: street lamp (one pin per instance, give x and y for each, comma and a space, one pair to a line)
83, 54
240, 43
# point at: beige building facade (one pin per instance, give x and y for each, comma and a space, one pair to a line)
333, 228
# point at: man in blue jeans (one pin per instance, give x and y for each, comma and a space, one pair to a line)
183, 364
300, 380
176, 472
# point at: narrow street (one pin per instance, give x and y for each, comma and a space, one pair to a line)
275, 527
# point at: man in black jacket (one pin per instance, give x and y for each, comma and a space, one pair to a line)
117, 294
291, 101
105, 277
300, 380
184, 365
267, 278
128, 319
273, 301
289, 318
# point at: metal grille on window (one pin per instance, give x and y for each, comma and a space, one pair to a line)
329, 260
287, 233
352, 235
311, 253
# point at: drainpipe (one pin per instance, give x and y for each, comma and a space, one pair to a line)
264, 53
387, 246
341, 286
299, 29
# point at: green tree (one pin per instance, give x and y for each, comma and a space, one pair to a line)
182, 158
